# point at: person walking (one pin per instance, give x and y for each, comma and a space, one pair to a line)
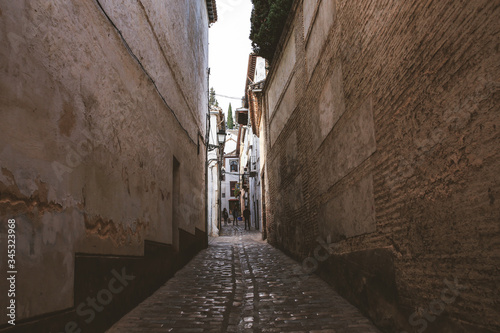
233, 212
246, 216
235, 215
225, 215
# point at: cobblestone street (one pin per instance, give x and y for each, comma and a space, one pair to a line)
242, 284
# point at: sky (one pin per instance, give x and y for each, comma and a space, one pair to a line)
229, 47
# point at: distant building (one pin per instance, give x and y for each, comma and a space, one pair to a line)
248, 146
214, 161
231, 177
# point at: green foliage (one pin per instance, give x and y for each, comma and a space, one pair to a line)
267, 22
212, 100
230, 121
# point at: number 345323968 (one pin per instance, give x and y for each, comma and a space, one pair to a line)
11, 243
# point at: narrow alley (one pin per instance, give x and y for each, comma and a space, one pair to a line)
242, 284
356, 143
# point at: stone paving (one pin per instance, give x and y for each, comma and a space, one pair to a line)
242, 284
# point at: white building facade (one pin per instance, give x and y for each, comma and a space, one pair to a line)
231, 174
249, 145
250, 162
214, 160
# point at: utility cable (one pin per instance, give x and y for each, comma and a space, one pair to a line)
238, 98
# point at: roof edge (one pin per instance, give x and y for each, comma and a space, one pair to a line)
212, 11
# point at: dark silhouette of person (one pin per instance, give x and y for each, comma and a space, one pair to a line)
246, 215
225, 215
235, 216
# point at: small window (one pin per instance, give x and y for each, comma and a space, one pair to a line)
233, 187
233, 165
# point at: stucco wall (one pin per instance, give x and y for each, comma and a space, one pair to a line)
392, 150
89, 129
213, 177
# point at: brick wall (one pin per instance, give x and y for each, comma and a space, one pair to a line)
383, 133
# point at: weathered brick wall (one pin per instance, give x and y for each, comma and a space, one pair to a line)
97, 100
383, 128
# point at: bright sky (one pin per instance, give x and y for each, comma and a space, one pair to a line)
229, 47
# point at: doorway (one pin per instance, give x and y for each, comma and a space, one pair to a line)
233, 205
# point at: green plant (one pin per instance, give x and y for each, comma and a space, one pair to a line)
230, 121
212, 100
237, 190
267, 22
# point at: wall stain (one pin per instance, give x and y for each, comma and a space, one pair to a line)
67, 121
491, 196
108, 229
13, 202
125, 177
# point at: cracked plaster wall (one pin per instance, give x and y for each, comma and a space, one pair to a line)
86, 140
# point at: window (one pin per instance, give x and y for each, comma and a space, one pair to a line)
233, 165
233, 187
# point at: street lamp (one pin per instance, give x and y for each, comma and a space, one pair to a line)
221, 138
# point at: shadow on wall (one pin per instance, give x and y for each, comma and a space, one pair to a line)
108, 287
